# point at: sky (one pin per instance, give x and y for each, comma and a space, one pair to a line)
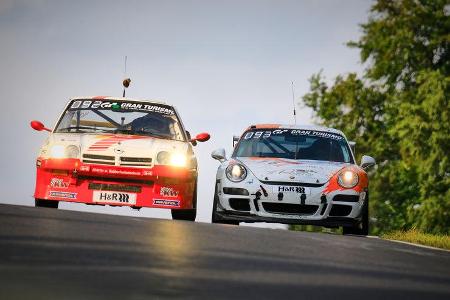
224, 64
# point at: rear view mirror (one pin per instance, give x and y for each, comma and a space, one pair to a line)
36, 125
202, 137
219, 154
367, 162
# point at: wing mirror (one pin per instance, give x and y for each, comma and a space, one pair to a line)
219, 154
36, 125
201, 137
367, 161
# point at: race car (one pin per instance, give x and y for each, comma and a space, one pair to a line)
293, 175
119, 152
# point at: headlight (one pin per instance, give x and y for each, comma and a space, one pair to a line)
348, 179
236, 172
172, 159
59, 151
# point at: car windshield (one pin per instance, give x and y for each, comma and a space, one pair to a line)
294, 144
125, 117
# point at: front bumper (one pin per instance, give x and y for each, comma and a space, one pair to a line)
254, 201
73, 181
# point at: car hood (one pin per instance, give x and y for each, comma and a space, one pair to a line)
118, 144
289, 170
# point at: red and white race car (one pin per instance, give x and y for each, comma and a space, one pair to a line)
119, 151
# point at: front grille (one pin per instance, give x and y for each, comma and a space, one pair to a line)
289, 208
136, 161
235, 191
240, 204
340, 210
99, 159
111, 160
346, 198
114, 187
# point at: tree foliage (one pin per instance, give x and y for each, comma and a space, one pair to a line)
398, 111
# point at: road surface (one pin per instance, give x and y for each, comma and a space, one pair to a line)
57, 254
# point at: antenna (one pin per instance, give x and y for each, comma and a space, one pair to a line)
293, 103
126, 82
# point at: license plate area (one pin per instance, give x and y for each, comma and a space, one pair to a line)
289, 189
113, 197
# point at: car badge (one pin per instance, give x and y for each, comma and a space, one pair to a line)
292, 177
118, 151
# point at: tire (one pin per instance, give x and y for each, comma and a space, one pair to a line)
46, 203
214, 210
363, 227
186, 214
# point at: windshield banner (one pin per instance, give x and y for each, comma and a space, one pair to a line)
294, 132
121, 105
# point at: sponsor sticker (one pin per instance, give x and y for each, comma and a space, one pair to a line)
168, 192
295, 132
163, 202
122, 105
66, 195
114, 197
291, 189
115, 171
59, 183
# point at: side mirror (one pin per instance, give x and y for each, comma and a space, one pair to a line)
235, 140
36, 125
367, 161
203, 137
219, 154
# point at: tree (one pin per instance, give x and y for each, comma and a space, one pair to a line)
398, 111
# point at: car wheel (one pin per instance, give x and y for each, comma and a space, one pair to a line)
363, 227
46, 203
186, 214
214, 209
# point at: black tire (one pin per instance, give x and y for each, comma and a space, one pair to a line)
186, 214
46, 203
363, 227
214, 210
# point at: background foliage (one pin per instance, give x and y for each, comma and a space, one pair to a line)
398, 112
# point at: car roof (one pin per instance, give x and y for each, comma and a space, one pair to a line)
118, 99
300, 127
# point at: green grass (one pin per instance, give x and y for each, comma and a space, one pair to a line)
417, 237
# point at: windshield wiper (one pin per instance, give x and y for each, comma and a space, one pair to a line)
80, 127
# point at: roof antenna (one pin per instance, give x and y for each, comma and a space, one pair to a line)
293, 103
126, 82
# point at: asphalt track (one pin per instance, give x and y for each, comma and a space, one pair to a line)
56, 254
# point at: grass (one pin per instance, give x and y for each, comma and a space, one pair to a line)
417, 237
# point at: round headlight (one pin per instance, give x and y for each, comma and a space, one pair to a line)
178, 160
163, 158
348, 179
236, 172
72, 151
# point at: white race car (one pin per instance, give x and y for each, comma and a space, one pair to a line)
121, 152
293, 175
